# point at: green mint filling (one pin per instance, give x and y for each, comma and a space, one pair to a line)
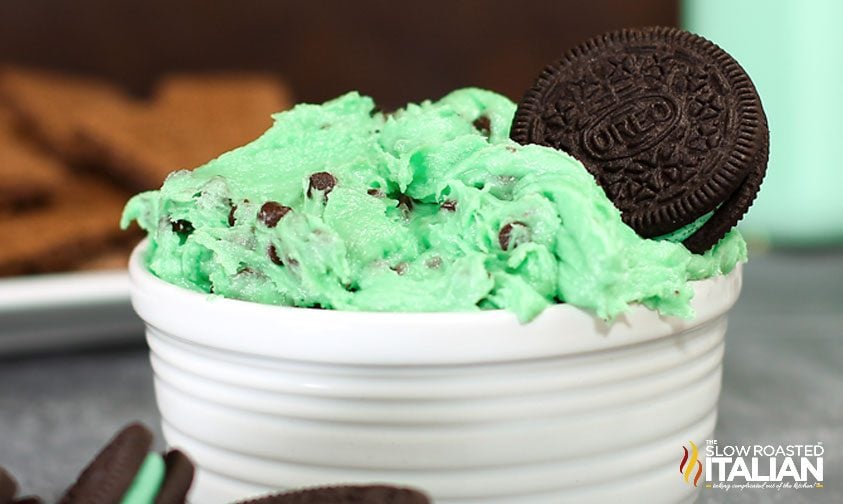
147, 481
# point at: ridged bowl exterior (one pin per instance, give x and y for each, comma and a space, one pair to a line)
470, 407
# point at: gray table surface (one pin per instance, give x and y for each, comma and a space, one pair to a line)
782, 383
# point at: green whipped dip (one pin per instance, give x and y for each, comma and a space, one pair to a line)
433, 209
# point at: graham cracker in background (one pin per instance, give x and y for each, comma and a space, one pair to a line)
80, 221
190, 120
27, 175
112, 258
50, 105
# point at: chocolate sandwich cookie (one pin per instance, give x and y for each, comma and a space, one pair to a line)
345, 494
108, 477
126, 472
178, 479
667, 122
730, 212
8, 487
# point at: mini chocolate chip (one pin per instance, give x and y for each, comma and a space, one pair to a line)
483, 125
182, 227
377, 193
511, 148
434, 262
292, 262
400, 268
231, 219
449, 205
321, 181
273, 255
271, 212
405, 203
505, 234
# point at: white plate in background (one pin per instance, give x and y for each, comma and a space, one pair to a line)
64, 310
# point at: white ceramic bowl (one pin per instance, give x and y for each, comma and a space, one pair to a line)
470, 407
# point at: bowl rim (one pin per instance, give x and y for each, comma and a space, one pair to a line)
403, 338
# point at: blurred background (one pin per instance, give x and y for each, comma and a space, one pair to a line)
94, 96
125, 92
394, 51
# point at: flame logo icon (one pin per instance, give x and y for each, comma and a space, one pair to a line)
689, 461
